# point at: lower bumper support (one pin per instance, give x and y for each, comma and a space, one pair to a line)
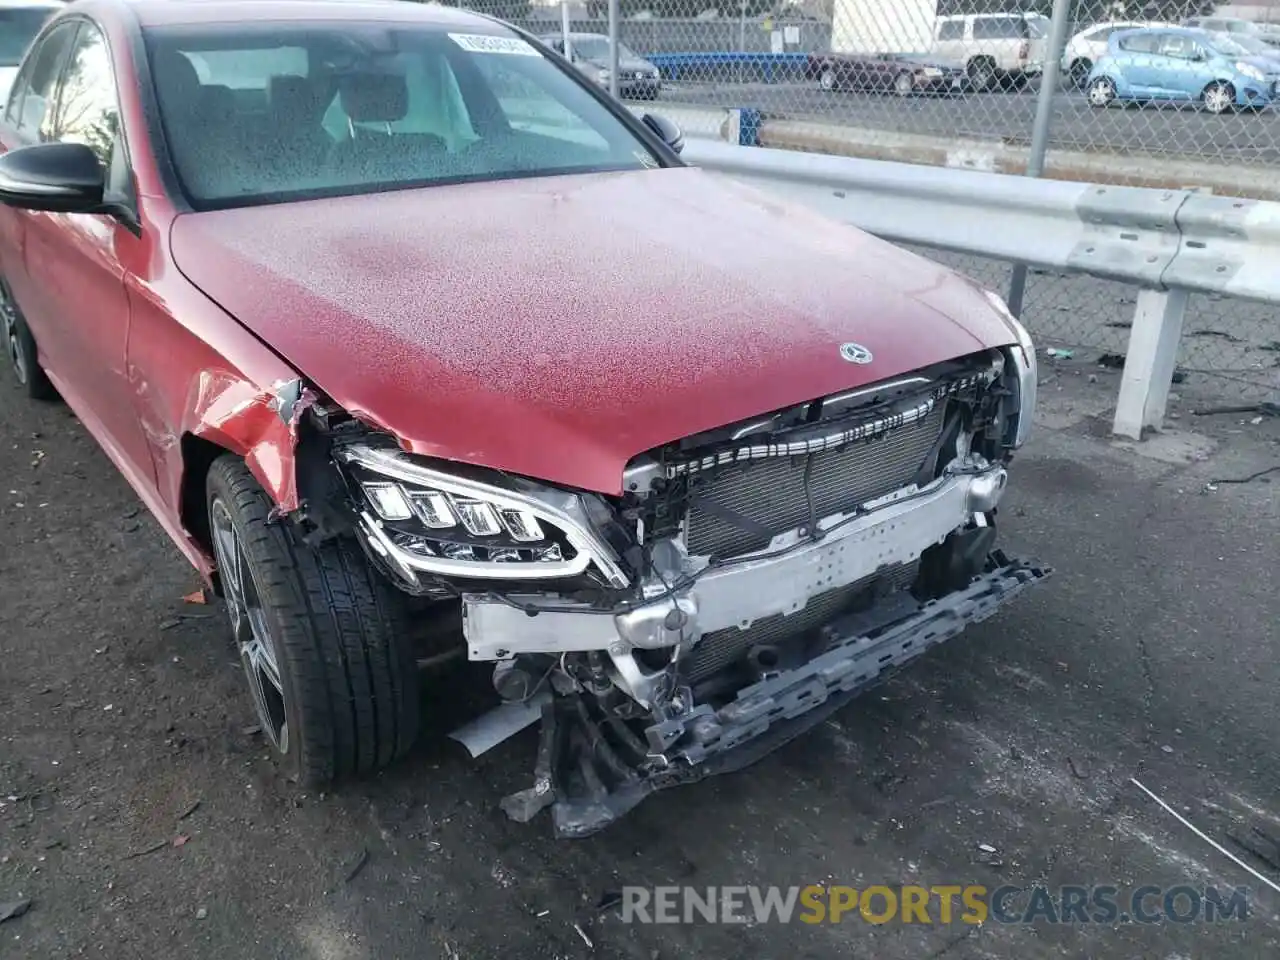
592, 770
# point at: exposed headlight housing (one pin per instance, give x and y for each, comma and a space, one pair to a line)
422, 519
931, 72
1025, 370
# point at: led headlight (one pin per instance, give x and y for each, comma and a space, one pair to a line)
1026, 374
420, 518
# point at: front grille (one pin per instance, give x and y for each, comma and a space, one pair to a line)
770, 493
723, 648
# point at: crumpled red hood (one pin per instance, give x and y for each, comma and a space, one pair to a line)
556, 327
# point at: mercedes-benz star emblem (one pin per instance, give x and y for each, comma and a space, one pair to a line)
855, 353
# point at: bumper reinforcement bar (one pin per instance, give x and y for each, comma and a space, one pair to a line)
592, 770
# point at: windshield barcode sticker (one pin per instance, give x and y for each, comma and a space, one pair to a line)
479, 43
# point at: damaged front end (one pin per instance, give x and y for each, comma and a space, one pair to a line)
744, 584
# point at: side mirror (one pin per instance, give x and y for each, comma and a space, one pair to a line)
59, 177
668, 131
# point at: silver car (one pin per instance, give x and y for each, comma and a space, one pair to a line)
638, 79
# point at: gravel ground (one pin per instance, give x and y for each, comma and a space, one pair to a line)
140, 813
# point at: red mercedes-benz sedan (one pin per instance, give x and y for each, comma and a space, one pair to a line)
418, 344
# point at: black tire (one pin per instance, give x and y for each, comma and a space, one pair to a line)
982, 74
1101, 93
349, 680
20, 350
904, 84
1078, 75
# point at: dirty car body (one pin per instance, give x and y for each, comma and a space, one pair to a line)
417, 345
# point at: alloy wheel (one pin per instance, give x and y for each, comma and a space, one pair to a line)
828, 80
1102, 92
14, 345
250, 628
1218, 99
903, 85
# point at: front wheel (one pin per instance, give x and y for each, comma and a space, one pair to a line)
827, 79
904, 85
1101, 92
20, 347
1219, 97
320, 636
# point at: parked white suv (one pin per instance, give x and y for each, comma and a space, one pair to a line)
1086, 47
1002, 49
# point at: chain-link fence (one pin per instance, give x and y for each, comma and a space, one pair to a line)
1162, 93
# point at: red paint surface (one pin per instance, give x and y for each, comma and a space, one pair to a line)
551, 327
557, 327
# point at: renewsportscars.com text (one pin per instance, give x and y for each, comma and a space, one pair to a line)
940, 904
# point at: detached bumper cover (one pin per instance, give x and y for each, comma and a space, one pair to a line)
590, 773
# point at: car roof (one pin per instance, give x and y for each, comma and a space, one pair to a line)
179, 12
1197, 32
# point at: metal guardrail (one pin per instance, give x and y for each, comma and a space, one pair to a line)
1169, 243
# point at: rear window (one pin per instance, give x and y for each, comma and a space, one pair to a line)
18, 27
284, 111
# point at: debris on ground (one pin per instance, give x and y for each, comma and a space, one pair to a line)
986, 848
1059, 354
201, 913
12, 909
181, 840
583, 934
158, 845
197, 596
361, 862
191, 808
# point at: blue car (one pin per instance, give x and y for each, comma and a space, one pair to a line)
1180, 63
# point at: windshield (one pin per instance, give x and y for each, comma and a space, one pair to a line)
1038, 27
288, 111
1227, 46
1249, 44
597, 48
17, 26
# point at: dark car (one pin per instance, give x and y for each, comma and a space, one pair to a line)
903, 74
418, 345
638, 79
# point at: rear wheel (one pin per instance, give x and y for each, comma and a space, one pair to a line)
904, 84
1219, 97
321, 638
20, 348
1078, 75
827, 79
1101, 92
982, 74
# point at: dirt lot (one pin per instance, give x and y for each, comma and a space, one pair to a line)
140, 814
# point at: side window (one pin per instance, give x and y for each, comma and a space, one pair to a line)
951, 30
996, 28
1139, 43
87, 109
1177, 45
29, 104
